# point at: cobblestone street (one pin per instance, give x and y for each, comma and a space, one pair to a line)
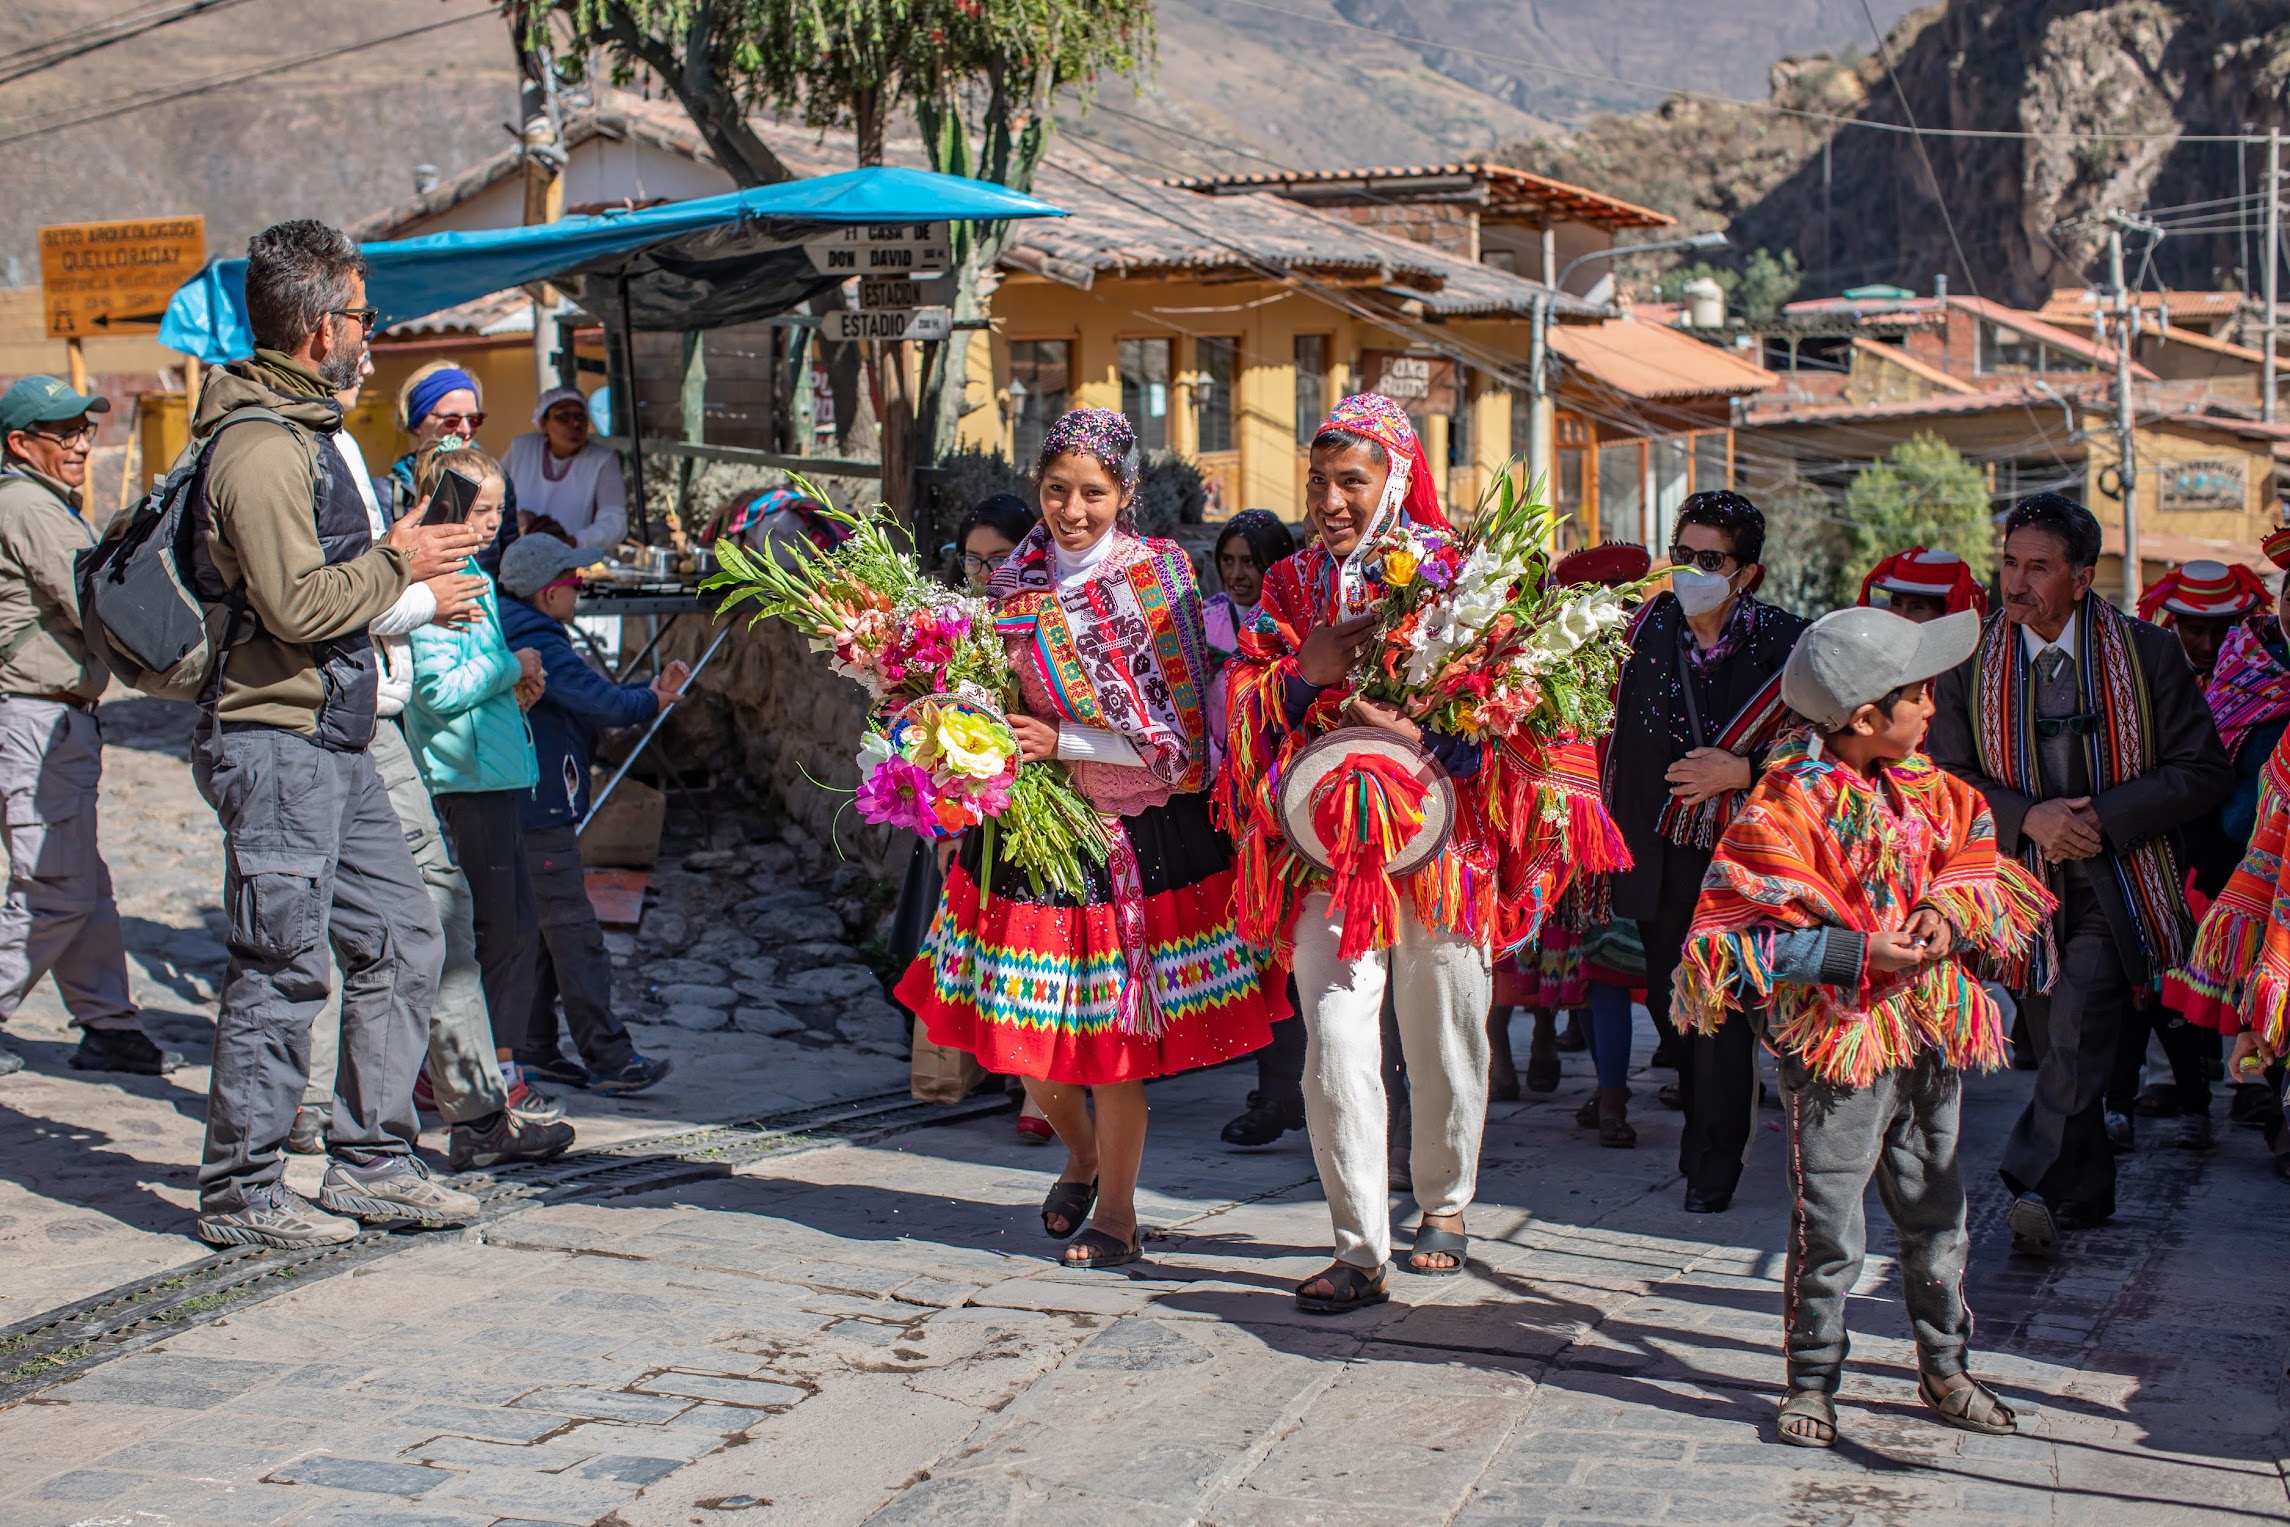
871, 1328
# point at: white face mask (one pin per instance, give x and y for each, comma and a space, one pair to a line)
1699, 592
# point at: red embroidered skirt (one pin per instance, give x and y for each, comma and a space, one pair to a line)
1031, 984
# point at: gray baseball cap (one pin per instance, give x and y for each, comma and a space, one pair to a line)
1856, 657
534, 561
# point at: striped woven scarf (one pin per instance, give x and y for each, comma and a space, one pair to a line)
1759, 724
2121, 747
2248, 688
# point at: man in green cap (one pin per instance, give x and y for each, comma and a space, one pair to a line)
58, 915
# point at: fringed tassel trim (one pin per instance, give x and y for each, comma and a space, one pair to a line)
2000, 915
2264, 1008
1717, 971
1456, 895
1840, 1045
2212, 986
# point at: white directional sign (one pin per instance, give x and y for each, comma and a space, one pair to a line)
896, 292
888, 249
891, 323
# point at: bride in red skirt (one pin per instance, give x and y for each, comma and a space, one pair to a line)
1145, 975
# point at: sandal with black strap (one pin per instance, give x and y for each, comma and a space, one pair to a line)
1973, 1408
1815, 1407
1071, 1202
1104, 1250
1350, 1288
1430, 1240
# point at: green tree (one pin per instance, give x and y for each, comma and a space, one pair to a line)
1807, 566
1921, 494
1756, 291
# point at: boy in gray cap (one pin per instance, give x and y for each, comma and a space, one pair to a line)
1839, 910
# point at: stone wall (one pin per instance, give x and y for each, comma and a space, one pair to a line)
769, 709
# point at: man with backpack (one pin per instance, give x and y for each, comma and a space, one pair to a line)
58, 916
315, 855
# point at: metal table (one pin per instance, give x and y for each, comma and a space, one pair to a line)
665, 604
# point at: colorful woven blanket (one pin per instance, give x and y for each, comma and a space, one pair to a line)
1819, 844
2237, 975
2248, 688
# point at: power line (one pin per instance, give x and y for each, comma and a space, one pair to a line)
123, 106
57, 50
1542, 67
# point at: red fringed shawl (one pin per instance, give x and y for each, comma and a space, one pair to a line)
2237, 976
1820, 844
1526, 822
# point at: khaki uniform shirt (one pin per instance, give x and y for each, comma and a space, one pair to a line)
40, 540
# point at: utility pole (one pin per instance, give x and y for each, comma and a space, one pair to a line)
2273, 256
2126, 336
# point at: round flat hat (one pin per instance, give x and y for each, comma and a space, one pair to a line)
1328, 756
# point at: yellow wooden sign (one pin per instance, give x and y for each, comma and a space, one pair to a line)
115, 278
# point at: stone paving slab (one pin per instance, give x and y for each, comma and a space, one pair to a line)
1599, 1363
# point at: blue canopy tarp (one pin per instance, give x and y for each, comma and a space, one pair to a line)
687, 265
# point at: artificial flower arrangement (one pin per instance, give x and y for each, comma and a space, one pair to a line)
1472, 639
939, 756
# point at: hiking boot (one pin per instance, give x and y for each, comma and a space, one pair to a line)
128, 1050
558, 1070
10, 1063
308, 1136
642, 1071
505, 1137
393, 1190
276, 1215
532, 1105
2118, 1125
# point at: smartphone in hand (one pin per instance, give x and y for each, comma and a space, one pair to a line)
451, 503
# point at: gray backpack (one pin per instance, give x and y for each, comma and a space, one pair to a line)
143, 609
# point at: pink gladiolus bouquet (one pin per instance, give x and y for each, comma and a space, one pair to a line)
939, 756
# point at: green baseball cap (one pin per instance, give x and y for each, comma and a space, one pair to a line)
45, 400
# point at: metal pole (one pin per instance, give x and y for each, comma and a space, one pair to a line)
2128, 464
1538, 451
645, 741
2273, 258
643, 535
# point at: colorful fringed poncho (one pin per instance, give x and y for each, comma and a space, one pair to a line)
1820, 844
2237, 976
1525, 820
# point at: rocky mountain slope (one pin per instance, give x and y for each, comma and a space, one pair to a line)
2100, 104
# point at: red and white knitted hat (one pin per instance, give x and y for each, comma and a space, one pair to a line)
1933, 574
2205, 590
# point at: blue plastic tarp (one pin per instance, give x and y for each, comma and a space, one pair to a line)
687, 265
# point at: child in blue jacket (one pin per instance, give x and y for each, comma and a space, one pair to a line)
539, 586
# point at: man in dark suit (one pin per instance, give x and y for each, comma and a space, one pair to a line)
2088, 733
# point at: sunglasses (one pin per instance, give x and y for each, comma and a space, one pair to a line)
1701, 561
2067, 726
457, 424
365, 316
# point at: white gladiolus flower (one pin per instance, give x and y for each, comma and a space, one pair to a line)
874, 752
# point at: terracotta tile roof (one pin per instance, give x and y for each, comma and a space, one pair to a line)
1983, 401
2051, 334
2079, 302
1508, 191
1894, 355
1646, 360
2193, 339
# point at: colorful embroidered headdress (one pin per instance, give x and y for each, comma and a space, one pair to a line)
2204, 590
1933, 574
1099, 433
1409, 490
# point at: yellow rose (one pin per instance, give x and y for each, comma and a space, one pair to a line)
1399, 568
972, 745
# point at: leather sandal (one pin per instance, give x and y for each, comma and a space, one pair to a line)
1973, 1408
1104, 1250
1809, 1405
1431, 1240
1351, 1288
1071, 1202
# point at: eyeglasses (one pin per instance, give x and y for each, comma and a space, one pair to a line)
982, 568
365, 316
1702, 561
456, 424
84, 430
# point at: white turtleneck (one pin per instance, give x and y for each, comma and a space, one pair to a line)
1076, 743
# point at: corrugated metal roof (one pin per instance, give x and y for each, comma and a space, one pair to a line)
1507, 190
1647, 360
501, 313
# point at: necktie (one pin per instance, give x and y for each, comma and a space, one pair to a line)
2049, 662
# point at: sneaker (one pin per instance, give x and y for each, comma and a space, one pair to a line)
308, 1136
534, 1106
2119, 1129
393, 1190
276, 1215
557, 1069
642, 1071
506, 1137
128, 1050
10, 1063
